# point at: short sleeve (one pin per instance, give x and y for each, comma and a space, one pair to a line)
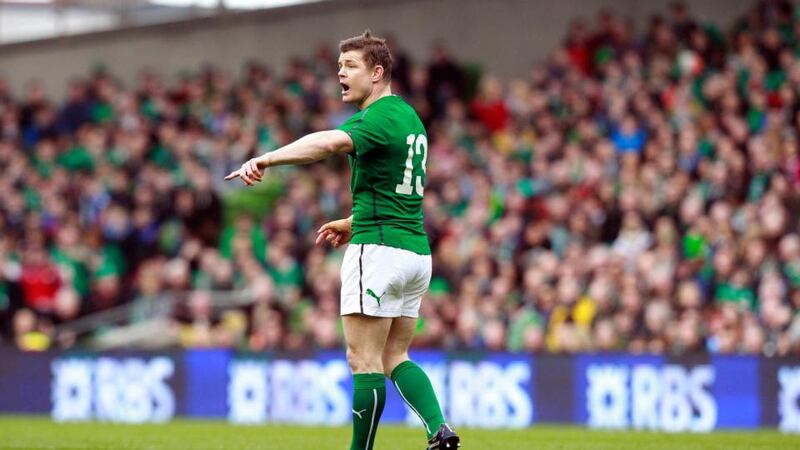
366, 132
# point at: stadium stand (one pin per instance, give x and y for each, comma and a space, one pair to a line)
635, 191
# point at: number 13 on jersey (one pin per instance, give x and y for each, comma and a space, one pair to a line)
417, 143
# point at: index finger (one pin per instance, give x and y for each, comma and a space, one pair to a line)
232, 175
322, 236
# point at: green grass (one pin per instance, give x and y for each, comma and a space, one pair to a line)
41, 433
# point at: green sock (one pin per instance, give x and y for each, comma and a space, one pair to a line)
369, 396
417, 391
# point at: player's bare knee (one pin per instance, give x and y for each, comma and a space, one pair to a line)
388, 367
354, 360
392, 360
361, 361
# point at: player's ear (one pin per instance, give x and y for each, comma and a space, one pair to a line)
377, 73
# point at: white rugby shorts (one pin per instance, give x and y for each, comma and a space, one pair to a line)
383, 281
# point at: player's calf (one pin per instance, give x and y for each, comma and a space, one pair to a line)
415, 388
369, 398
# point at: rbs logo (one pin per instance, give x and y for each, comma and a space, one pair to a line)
308, 392
490, 395
132, 390
669, 398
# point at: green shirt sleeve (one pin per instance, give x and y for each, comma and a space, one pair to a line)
366, 132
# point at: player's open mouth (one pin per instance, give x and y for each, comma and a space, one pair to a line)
345, 88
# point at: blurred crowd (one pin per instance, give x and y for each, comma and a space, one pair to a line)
636, 191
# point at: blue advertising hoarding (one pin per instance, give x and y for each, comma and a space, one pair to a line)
490, 390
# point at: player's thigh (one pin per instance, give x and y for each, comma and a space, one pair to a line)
365, 335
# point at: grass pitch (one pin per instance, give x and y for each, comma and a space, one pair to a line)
41, 433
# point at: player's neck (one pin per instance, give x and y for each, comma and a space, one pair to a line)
378, 93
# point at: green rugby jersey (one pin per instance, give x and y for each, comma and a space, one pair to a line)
388, 175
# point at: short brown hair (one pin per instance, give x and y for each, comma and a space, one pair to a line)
374, 49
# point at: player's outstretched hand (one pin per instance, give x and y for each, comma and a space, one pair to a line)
250, 173
337, 232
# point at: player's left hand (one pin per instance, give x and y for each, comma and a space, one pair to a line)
337, 233
250, 173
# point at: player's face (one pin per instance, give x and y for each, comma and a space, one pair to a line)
354, 76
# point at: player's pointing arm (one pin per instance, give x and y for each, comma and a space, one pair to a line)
306, 150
